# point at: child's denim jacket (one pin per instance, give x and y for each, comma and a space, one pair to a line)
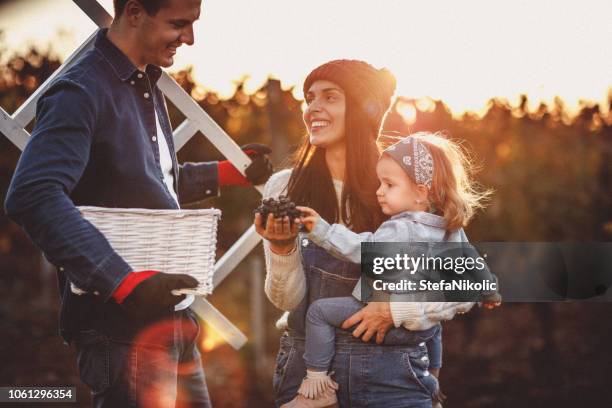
408, 226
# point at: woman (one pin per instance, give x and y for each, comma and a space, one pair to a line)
334, 173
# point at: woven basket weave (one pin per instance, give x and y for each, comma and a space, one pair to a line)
171, 241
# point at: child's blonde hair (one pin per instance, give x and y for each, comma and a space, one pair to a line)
453, 191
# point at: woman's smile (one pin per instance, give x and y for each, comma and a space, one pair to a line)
318, 125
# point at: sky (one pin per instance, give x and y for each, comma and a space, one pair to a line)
463, 53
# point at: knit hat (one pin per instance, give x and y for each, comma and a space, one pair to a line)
372, 87
414, 158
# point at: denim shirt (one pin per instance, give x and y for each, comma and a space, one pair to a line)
95, 143
407, 226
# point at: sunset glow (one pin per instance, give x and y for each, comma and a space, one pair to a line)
463, 53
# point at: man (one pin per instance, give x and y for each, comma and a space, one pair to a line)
103, 138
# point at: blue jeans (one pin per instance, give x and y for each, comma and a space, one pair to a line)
147, 372
324, 315
389, 375
369, 375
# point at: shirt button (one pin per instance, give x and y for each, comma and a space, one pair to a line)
139, 75
96, 293
146, 95
154, 138
132, 82
207, 191
304, 242
61, 269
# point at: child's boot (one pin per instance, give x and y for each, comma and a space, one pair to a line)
317, 390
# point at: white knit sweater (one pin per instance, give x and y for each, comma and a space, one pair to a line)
285, 283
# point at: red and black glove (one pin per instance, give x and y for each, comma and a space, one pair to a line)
148, 294
258, 172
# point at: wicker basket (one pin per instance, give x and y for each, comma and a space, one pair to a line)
171, 241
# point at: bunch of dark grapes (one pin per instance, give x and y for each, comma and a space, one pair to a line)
279, 208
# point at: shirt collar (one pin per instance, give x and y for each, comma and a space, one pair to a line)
423, 218
121, 64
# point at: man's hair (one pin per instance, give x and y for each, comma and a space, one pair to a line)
150, 6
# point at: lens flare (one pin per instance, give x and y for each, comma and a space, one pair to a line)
211, 339
408, 111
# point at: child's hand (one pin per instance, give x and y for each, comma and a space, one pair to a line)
492, 301
309, 217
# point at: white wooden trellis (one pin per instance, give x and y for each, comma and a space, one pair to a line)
13, 126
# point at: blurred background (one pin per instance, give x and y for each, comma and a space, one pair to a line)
528, 89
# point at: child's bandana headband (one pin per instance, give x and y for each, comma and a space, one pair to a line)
415, 159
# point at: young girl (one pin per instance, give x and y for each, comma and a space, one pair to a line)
426, 190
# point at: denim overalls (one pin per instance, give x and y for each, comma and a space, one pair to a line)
370, 375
